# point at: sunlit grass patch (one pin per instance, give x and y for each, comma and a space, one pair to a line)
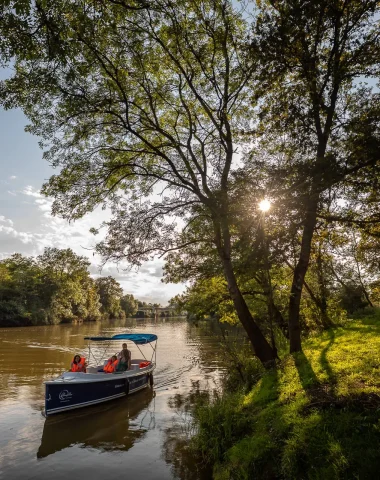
315, 416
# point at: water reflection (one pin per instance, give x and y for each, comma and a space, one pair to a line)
114, 426
176, 449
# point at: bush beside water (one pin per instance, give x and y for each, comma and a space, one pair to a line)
315, 416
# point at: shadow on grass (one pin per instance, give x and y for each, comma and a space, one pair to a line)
306, 373
269, 390
325, 364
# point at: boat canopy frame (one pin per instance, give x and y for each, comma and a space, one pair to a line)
136, 338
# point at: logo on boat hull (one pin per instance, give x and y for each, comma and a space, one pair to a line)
65, 396
137, 382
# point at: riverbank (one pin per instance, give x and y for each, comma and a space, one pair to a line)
316, 416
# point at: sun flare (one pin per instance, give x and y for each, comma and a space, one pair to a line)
264, 205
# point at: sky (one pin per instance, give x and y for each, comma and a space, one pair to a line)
27, 227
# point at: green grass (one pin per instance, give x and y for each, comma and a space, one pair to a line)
316, 416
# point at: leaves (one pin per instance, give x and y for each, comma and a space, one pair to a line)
55, 287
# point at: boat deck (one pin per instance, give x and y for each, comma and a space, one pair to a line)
95, 374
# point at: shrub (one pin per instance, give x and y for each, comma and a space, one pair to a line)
351, 298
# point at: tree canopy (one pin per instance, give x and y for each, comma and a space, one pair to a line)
110, 293
56, 287
182, 116
53, 288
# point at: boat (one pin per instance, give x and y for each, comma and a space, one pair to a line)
101, 427
73, 390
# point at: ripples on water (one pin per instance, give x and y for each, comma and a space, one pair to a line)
143, 436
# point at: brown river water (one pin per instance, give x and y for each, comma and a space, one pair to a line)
143, 436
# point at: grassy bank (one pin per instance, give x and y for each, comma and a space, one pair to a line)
317, 416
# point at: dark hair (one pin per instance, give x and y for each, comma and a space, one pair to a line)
75, 356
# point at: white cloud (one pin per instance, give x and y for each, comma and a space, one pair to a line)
5, 220
14, 194
29, 190
43, 230
12, 177
7, 228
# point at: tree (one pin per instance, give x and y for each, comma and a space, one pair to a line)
351, 268
319, 124
67, 286
258, 254
55, 287
129, 305
19, 291
110, 295
207, 298
136, 99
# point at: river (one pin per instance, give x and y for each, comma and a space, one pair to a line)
144, 436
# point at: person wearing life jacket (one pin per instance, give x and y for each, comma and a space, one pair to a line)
78, 364
111, 365
124, 358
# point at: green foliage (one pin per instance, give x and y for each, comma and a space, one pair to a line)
53, 288
110, 295
129, 305
351, 297
14, 314
56, 287
316, 416
226, 422
244, 371
368, 314
208, 298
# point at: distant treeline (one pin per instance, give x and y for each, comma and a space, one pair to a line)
56, 287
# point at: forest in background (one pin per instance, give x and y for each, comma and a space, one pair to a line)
56, 287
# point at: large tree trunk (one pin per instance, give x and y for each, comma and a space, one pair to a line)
307, 238
299, 277
261, 347
264, 352
321, 304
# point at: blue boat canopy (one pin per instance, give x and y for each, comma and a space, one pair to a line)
137, 338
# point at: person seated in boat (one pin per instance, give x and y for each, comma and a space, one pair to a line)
78, 364
111, 365
124, 358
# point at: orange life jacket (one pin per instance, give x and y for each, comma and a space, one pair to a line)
78, 367
144, 364
111, 366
